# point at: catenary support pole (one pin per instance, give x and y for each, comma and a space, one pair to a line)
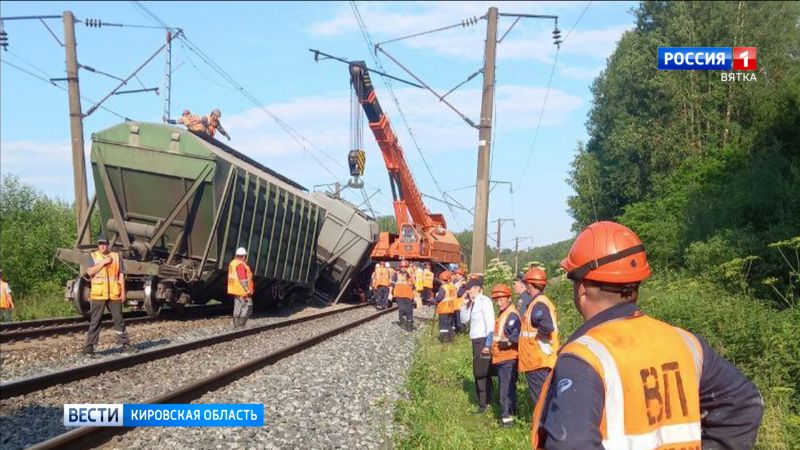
479, 234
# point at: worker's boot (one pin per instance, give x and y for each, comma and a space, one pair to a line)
88, 350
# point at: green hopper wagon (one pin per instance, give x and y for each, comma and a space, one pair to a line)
176, 205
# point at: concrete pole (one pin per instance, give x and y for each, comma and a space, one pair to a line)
76, 124
516, 256
479, 230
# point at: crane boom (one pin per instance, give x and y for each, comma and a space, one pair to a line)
415, 223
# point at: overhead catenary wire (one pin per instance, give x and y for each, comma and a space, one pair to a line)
304, 143
387, 82
86, 99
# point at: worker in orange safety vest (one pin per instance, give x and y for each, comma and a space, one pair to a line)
625, 380
107, 290
6, 300
382, 282
444, 306
241, 288
403, 292
505, 340
538, 341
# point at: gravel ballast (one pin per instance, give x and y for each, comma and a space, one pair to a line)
338, 394
35, 357
38, 416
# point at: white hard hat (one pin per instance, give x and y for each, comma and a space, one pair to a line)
386, 264
241, 251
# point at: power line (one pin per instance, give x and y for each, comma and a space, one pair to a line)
547, 93
86, 99
539, 122
296, 136
368, 40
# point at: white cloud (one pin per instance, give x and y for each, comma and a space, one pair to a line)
12, 152
580, 73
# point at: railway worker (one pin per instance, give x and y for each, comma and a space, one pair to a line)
427, 284
522, 291
213, 124
191, 121
107, 276
382, 282
460, 282
444, 306
403, 293
6, 300
504, 352
241, 288
389, 290
419, 279
478, 312
538, 341
624, 380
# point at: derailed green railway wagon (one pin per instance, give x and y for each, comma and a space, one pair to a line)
177, 205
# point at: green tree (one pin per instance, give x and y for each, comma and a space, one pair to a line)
32, 227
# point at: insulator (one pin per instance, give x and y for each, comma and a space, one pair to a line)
4, 40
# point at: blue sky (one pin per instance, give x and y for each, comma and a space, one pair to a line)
264, 46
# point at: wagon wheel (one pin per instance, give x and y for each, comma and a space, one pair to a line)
152, 305
78, 293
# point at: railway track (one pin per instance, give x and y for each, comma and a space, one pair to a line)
37, 383
37, 329
91, 436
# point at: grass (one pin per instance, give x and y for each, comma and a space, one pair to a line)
44, 304
762, 342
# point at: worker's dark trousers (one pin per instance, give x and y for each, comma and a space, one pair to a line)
457, 326
426, 295
535, 380
483, 385
406, 308
445, 327
96, 310
242, 310
507, 374
383, 297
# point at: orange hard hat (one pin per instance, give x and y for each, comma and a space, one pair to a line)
500, 290
445, 275
404, 263
607, 252
535, 276
460, 271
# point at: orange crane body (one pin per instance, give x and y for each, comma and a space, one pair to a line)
422, 235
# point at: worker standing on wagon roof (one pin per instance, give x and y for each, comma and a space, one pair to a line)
107, 275
213, 124
624, 380
6, 301
241, 288
538, 341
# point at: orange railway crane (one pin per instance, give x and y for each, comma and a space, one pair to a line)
423, 236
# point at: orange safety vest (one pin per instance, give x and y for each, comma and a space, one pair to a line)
651, 373
105, 283
381, 276
533, 353
427, 279
4, 301
193, 123
446, 305
213, 124
498, 355
403, 287
235, 287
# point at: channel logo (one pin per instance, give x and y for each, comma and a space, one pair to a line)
708, 58
163, 415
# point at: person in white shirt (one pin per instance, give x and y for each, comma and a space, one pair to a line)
478, 311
